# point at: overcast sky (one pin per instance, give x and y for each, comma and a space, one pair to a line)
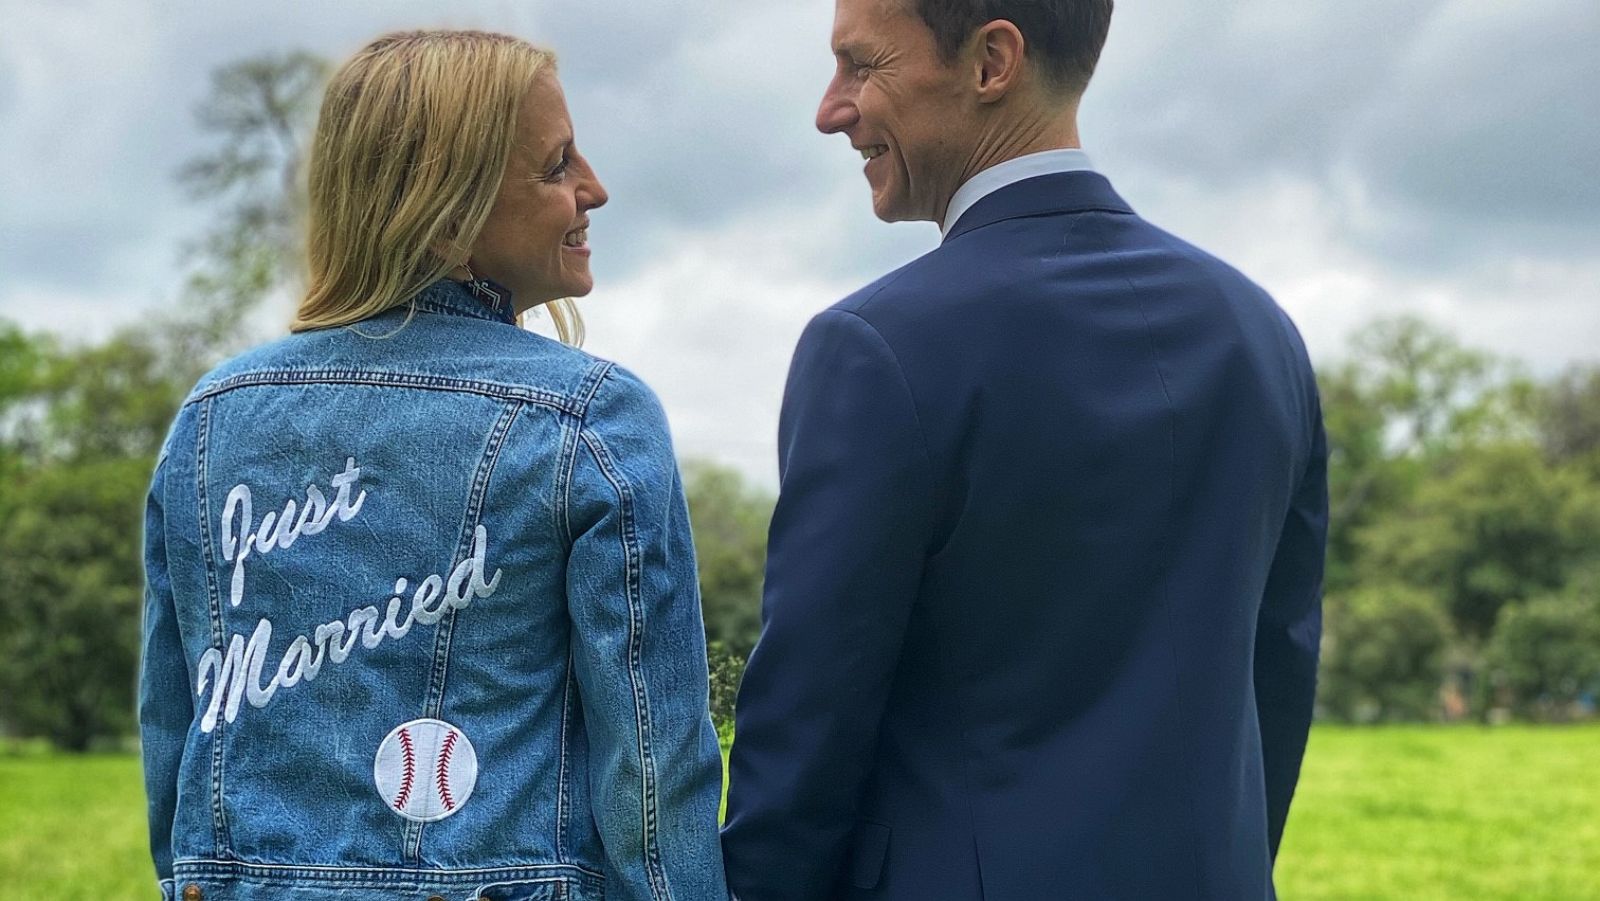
1358, 158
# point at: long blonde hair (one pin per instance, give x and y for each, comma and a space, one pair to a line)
411, 145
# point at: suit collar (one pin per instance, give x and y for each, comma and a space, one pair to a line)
1064, 192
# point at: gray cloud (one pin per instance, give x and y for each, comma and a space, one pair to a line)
1487, 137
1235, 91
1437, 132
1357, 157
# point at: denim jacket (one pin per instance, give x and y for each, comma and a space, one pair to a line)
422, 621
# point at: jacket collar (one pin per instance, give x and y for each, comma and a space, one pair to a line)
482, 299
1043, 195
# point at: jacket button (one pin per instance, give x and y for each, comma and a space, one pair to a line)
191, 892
435, 898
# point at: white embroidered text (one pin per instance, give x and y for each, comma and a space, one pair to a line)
276, 530
236, 675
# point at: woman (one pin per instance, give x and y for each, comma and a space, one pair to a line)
421, 617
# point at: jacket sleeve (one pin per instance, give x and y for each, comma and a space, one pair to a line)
639, 655
1289, 635
166, 709
845, 556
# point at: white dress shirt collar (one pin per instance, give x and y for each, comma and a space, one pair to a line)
992, 179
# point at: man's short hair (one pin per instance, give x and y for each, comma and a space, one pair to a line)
1063, 36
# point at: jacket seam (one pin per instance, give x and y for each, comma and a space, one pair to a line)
587, 389
1067, 211
563, 802
219, 815
382, 876
497, 390
935, 495
641, 701
1166, 594
440, 672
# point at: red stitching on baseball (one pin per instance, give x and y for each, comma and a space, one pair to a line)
442, 771
408, 773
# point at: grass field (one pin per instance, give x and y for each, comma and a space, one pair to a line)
1456, 814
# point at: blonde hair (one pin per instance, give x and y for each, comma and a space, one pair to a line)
410, 148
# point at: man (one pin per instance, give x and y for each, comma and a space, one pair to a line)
1043, 588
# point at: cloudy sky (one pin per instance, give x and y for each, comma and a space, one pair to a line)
1357, 157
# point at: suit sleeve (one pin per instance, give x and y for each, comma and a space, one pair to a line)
845, 556
1289, 635
639, 654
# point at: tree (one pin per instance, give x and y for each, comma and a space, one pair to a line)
730, 534
80, 427
23, 360
80, 457
1569, 418
1545, 655
1365, 479
110, 401
261, 111
1437, 396
1407, 401
69, 564
1495, 528
1384, 655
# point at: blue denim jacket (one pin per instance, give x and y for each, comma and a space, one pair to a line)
422, 621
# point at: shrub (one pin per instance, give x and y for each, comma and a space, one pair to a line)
1544, 655
1384, 655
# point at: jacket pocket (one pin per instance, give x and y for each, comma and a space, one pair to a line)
869, 845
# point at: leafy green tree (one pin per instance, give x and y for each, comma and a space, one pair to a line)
1407, 400
1437, 396
1366, 480
110, 401
1384, 655
1569, 419
730, 521
80, 427
23, 361
69, 564
1545, 655
1495, 528
80, 452
260, 112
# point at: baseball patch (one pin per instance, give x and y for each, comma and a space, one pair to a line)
425, 770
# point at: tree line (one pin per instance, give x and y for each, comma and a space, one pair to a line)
1463, 574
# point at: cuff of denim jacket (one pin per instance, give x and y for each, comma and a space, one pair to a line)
167, 887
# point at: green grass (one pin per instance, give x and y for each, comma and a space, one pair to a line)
1416, 813
1451, 813
74, 826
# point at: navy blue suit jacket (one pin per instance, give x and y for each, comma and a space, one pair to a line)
1043, 593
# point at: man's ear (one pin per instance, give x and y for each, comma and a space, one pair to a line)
999, 47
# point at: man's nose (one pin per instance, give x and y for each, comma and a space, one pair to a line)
837, 111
